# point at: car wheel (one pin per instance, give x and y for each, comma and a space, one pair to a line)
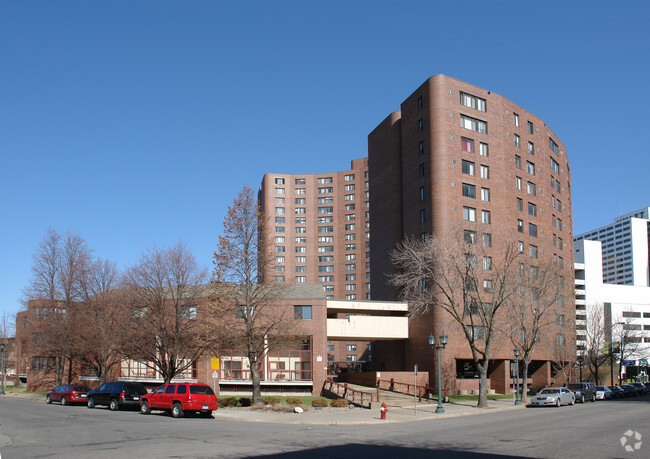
206, 414
63, 401
113, 405
91, 402
582, 398
557, 403
177, 411
48, 400
573, 401
144, 408
593, 398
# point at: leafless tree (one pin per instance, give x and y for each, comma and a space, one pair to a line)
536, 305
166, 290
564, 358
242, 302
455, 273
596, 340
105, 316
627, 332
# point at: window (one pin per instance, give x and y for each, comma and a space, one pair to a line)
531, 189
326, 269
520, 226
299, 181
279, 259
473, 124
279, 219
419, 109
517, 141
325, 219
301, 259
350, 256
279, 249
485, 194
487, 240
326, 200
467, 144
350, 227
350, 237
279, 191
532, 209
520, 246
530, 127
325, 249
469, 191
325, 190
518, 183
470, 237
515, 119
279, 200
299, 210
351, 296
301, 269
478, 332
530, 168
559, 339
350, 267
301, 249
302, 312
420, 149
552, 145
532, 230
325, 229
349, 217
279, 210
300, 201
350, 277
518, 162
279, 239
325, 258
487, 263
484, 149
351, 358
421, 193
486, 217
420, 125
350, 247
421, 169
422, 216
188, 312
300, 229
325, 210
301, 279
349, 187
349, 207
279, 269
324, 180
325, 278
350, 287
279, 229
555, 166
520, 205
473, 102
485, 172
349, 177
468, 167
469, 214
532, 251
300, 191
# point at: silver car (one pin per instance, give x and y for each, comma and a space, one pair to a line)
555, 396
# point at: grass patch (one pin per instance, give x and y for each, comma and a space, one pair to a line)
18, 390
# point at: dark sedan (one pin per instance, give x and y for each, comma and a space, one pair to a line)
617, 391
630, 390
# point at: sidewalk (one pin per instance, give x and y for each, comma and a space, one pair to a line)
403, 412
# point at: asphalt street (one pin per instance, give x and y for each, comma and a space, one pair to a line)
31, 428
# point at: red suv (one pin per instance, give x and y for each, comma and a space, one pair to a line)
179, 398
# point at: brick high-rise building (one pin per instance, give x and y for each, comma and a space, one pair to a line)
458, 155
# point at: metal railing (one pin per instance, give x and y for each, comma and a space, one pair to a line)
353, 395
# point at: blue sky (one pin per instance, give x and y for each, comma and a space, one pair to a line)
134, 123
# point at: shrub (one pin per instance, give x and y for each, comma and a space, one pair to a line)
339, 403
227, 401
320, 402
245, 401
271, 400
294, 401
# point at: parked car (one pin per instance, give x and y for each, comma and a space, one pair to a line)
640, 388
181, 398
554, 396
67, 393
116, 395
630, 390
603, 393
583, 391
617, 391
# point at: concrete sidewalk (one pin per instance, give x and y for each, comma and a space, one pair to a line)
403, 412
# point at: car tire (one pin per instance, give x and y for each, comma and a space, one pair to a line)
573, 401
144, 408
582, 398
206, 414
63, 401
557, 403
177, 411
91, 402
593, 398
48, 400
113, 405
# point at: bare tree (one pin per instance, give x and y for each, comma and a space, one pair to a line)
454, 273
596, 340
564, 358
239, 289
627, 332
105, 317
167, 288
538, 303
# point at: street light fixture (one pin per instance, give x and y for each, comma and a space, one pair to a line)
2, 370
432, 345
517, 397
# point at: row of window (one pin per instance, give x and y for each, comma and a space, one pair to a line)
321, 180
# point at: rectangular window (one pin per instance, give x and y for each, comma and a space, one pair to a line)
301, 259
518, 162
279, 181
279, 229
421, 148
485, 171
301, 279
350, 227
279, 259
486, 217
300, 201
473, 102
532, 230
279, 210
350, 277
325, 249
470, 237
531, 189
469, 191
349, 207
279, 191
520, 247
349, 217
532, 251
531, 148
473, 124
301, 249
325, 190
350, 287
555, 166
301, 269
419, 109
468, 167
300, 229
530, 127
350, 267
299, 181
483, 149
469, 214
530, 168
487, 240
350, 247
349, 187
520, 205
467, 144
515, 119
326, 269
325, 219
552, 145
299, 210
518, 183
324, 180
422, 216
279, 249
349, 177
487, 263
485, 194
532, 209
325, 229
302, 312
420, 125
325, 210
325, 278
520, 226
300, 191
517, 141
421, 193
326, 200
350, 237
279, 239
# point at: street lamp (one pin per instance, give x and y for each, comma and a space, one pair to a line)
581, 360
517, 398
432, 345
2, 370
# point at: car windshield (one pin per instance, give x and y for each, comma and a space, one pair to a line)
600, 388
201, 390
550, 391
80, 389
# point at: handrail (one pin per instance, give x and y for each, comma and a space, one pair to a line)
348, 390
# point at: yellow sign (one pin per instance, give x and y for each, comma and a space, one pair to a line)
215, 364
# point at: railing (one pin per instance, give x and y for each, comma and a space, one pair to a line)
410, 388
358, 396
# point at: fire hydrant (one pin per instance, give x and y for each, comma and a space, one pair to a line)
383, 410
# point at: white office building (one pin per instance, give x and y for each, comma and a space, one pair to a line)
625, 254
625, 308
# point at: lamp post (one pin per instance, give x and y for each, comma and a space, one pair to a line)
581, 360
2, 370
517, 398
432, 345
